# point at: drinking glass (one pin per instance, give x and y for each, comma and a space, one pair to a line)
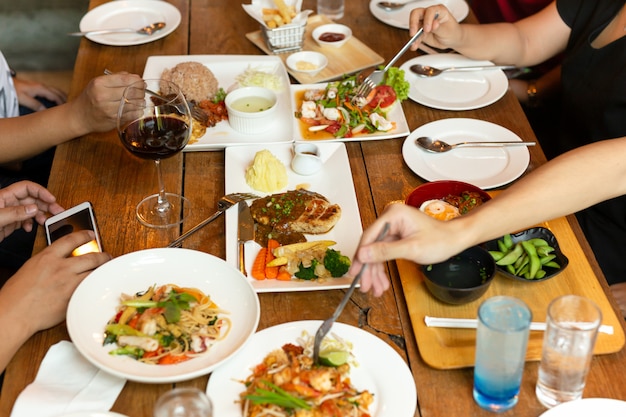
331, 8
568, 342
183, 402
501, 340
156, 126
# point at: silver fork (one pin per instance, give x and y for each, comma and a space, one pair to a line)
223, 204
328, 323
371, 81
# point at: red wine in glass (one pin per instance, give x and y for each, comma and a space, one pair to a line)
157, 137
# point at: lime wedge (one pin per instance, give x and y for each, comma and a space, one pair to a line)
334, 357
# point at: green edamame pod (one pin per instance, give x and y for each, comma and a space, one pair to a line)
523, 270
502, 247
544, 250
545, 259
512, 256
534, 262
508, 241
521, 261
496, 254
553, 264
525, 261
537, 242
540, 274
510, 269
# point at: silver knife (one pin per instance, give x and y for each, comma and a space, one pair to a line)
245, 232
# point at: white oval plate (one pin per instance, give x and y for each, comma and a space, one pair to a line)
483, 167
130, 14
381, 370
400, 18
95, 300
589, 407
455, 90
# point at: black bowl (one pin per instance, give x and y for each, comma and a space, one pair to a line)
462, 278
535, 232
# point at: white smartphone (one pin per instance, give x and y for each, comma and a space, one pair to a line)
80, 217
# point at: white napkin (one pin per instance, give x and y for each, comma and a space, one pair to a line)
67, 383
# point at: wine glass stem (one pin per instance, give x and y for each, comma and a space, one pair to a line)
163, 206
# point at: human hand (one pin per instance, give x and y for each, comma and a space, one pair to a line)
412, 235
28, 91
22, 203
96, 106
441, 28
40, 290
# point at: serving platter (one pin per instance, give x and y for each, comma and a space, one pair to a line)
377, 361
95, 300
444, 348
351, 57
334, 181
226, 69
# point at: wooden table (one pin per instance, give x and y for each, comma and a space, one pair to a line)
97, 168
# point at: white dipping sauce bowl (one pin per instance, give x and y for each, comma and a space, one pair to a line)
300, 62
251, 109
332, 28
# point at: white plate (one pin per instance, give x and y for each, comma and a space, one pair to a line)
94, 414
334, 181
381, 370
226, 68
400, 18
130, 14
589, 407
455, 90
395, 115
95, 300
483, 167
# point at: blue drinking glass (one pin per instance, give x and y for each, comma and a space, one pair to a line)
501, 340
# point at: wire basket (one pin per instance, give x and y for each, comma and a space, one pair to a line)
284, 39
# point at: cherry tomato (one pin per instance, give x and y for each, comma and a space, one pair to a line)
385, 96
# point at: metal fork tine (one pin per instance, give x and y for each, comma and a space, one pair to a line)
224, 203
197, 113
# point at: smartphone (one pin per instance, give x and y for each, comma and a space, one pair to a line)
80, 217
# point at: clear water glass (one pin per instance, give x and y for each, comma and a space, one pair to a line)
183, 402
568, 343
501, 341
332, 9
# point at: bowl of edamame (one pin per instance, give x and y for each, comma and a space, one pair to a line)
531, 255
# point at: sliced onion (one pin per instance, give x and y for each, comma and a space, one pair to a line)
358, 128
317, 128
345, 113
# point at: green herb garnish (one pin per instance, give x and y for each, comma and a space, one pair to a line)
173, 304
278, 397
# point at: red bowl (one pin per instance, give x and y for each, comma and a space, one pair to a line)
437, 190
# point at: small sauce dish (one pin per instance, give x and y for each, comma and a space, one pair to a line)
251, 109
332, 34
307, 62
306, 159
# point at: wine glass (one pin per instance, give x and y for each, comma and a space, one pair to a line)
154, 122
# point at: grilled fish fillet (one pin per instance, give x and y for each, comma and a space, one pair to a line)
300, 211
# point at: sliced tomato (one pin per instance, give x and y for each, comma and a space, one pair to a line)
333, 128
385, 96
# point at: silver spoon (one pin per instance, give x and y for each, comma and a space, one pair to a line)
391, 6
438, 146
146, 30
428, 71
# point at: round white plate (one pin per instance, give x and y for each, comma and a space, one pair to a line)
400, 18
589, 407
455, 90
95, 300
483, 167
130, 14
381, 370
94, 414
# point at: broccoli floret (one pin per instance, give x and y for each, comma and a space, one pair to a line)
336, 263
307, 273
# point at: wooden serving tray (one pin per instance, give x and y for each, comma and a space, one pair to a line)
444, 348
353, 56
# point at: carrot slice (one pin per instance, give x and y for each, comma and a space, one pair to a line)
271, 272
258, 267
283, 274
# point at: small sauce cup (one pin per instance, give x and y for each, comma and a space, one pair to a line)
306, 159
251, 109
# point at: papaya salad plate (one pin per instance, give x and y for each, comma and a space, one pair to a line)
374, 367
97, 306
327, 112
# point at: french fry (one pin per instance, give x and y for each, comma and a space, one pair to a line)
283, 10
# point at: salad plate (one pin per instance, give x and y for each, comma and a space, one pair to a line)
95, 300
334, 181
129, 14
455, 90
604, 407
226, 69
395, 115
483, 167
400, 18
393, 397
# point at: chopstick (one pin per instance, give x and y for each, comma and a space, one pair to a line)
453, 323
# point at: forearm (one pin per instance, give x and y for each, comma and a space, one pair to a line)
15, 332
569, 183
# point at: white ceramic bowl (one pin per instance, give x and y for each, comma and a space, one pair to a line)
324, 35
251, 109
307, 62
